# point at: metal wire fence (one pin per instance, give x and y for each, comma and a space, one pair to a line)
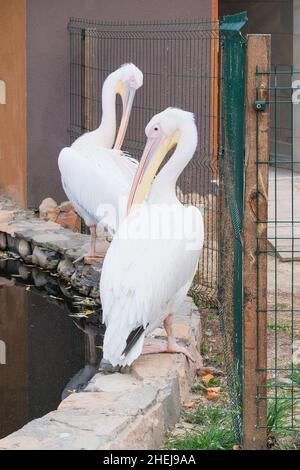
179, 60
195, 66
281, 391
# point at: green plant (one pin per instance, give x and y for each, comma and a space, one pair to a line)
295, 375
278, 412
212, 438
216, 433
208, 416
201, 299
215, 382
204, 348
278, 327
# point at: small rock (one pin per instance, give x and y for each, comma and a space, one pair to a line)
40, 278
3, 241
23, 248
24, 272
47, 259
48, 209
65, 269
11, 243
69, 220
94, 292
65, 289
66, 206
86, 279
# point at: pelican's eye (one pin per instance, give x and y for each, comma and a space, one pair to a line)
155, 131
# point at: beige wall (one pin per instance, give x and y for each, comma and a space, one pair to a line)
39, 69
13, 113
48, 66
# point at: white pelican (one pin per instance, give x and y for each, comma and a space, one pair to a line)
146, 275
92, 173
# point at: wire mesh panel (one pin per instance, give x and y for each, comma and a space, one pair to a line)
179, 60
282, 390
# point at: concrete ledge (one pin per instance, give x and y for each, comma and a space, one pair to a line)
131, 410
51, 247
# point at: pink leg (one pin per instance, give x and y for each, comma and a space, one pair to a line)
92, 256
92, 250
170, 346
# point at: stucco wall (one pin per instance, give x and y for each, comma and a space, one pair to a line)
48, 73
13, 112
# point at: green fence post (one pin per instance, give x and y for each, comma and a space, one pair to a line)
233, 111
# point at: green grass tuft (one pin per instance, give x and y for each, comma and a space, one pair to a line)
208, 416
212, 438
216, 433
278, 413
204, 349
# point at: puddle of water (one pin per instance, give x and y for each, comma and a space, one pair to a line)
48, 343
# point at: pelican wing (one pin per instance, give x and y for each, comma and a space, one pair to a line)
115, 163
100, 181
143, 279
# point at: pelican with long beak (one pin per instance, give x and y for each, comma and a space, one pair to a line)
93, 173
153, 257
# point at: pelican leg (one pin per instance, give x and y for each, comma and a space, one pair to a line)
171, 345
92, 256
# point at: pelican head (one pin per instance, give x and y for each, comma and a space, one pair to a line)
126, 80
163, 133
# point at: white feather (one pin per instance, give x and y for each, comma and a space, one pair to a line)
98, 182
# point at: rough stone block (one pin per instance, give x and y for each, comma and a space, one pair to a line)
145, 432
114, 403
112, 383
6, 216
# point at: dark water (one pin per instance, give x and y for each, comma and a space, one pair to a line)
45, 351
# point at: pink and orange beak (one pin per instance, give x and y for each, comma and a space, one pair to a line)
127, 94
154, 153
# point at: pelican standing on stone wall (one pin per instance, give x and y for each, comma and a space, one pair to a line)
94, 174
152, 259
